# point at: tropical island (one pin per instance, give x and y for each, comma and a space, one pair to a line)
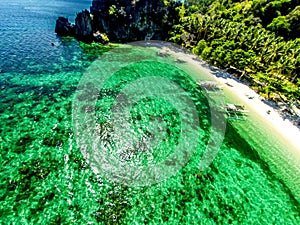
257, 41
253, 46
53, 109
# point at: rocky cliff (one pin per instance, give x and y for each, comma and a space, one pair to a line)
83, 26
125, 20
64, 27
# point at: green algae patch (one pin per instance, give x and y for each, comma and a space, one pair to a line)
94, 50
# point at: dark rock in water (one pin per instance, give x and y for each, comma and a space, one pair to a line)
83, 26
64, 27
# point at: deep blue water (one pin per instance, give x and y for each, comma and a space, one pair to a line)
27, 33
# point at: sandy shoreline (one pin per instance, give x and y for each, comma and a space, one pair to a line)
259, 105
278, 138
255, 103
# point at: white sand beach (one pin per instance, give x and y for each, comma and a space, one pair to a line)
259, 105
254, 102
277, 138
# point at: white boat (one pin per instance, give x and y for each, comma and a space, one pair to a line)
234, 111
235, 108
209, 86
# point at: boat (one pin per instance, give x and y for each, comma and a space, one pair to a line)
164, 52
234, 111
209, 86
179, 60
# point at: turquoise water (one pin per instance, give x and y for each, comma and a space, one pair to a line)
44, 178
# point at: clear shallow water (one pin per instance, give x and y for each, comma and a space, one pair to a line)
44, 178
27, 33
281, 156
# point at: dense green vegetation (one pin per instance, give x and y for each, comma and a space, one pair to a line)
258, 41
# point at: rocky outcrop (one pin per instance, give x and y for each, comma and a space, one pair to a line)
83, 27
133, 20
126, 20
64, 27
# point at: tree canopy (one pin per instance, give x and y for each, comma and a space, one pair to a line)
256, 40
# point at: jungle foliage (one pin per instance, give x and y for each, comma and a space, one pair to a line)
257, 40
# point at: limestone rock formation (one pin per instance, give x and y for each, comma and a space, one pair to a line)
83, 26
133, 20
64, 27
125, 20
